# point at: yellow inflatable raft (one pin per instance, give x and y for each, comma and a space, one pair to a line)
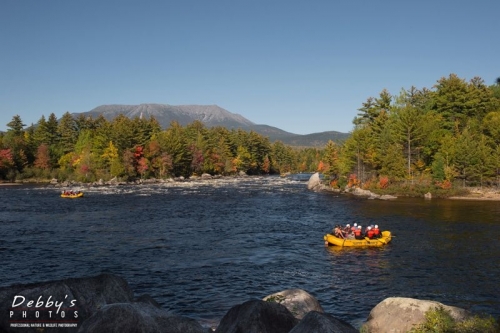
334, 240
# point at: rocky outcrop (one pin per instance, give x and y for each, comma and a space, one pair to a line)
316, 322
297, 301
314, 183
70, 299
399, 314
138, 317
257, 316
369, 194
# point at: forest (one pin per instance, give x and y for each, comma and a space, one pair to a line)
444, 136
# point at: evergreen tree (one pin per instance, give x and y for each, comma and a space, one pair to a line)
67, 132
15, 126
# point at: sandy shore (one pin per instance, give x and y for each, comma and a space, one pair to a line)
480, 194
9, 184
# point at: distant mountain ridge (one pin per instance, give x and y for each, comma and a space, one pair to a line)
210, 116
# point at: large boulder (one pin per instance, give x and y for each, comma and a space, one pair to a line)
314, 183
138, 318
297, 301
257, 316
316, 322
62, 301
400, 314
364, 193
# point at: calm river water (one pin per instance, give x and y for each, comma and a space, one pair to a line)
200, 248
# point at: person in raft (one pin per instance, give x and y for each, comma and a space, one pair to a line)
358, 234
369, 232
338, 232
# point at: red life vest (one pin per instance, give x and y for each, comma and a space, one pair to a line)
370, 233
376, 231
357, 232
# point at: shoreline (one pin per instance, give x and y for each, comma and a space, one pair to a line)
472, 198
475, 195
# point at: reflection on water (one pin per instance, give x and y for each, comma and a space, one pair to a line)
201, 247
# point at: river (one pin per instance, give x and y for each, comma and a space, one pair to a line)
201, 247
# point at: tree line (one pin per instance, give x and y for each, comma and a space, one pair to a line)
444, 135
87, 149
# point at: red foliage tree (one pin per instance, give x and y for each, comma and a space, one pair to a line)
6, 161
42, 158
321, 166
142, 166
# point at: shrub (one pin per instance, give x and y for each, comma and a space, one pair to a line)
383, 182
439, 320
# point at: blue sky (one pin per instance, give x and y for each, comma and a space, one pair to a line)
302, 66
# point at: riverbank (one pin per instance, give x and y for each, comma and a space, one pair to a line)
486, 194
472, 193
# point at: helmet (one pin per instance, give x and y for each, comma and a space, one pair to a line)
376, 226
359, 227
355, 224
369, 228
347, 225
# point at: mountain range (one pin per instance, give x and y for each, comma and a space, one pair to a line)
210, 116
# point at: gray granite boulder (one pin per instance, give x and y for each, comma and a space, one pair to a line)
400, 314
316, 322
257, 316
299, 302
138, 318
314, 183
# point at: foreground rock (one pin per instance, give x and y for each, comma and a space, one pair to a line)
78, 299
399, 314
257, 316
316, 322
297, 301
103, 303
138, 317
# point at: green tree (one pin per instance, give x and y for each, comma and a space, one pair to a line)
67, 132
15, 126
282, 158
173, 142
14, 140
112, 160
330, 158
438, 168
449, 100
491, 125
409, 129
393, 162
